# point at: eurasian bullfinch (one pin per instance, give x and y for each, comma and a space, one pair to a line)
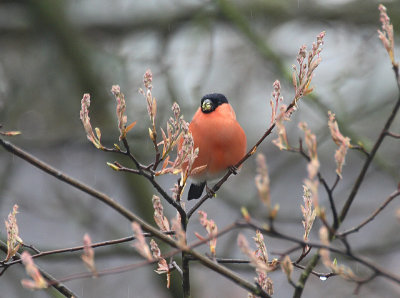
220, 139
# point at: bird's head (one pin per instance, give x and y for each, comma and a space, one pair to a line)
211, 101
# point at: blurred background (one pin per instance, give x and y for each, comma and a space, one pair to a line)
53, 51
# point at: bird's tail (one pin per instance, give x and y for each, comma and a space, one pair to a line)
196, 190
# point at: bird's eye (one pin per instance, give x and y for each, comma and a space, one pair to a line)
207, 106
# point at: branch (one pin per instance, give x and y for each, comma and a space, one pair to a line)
361, 149
360, 283
78, 248
373, 215
393, 135
317, 274
110, 271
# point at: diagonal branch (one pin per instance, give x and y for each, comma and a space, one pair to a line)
393, 135
373, 215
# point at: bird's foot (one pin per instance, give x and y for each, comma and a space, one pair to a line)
233, 170
210, 192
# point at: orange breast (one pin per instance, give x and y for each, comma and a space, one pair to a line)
220, 139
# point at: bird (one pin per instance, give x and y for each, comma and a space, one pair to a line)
220, 138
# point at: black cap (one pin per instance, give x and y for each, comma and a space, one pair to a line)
211, 101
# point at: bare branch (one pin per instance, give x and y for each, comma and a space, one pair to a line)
370, 218
393, 135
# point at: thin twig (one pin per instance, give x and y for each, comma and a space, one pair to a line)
370, 218
231, 261
393, 135
336, 183
363, 282
318, 274
40, 254
346, 244
361, 149
175, 265
115, 270
303, 254
31, 247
